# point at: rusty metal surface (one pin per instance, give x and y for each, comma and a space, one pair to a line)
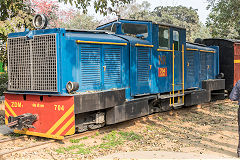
236, 62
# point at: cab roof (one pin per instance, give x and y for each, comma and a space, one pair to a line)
159, 23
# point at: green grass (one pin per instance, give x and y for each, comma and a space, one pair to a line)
110, 136
150, 128
74, 140
81, 149
60, 150
110, 140
78, 140
160, 118
131, 136
97, 134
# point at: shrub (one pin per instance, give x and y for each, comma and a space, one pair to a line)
3, 83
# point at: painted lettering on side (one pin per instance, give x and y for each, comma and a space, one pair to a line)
59, 107
162, 72
37, 105
16, 105
162, 60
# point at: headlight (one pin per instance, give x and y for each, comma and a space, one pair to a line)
72, 86
40, 21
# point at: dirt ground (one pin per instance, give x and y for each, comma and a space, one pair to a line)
209, 129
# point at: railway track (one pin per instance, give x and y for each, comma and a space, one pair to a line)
79, 135
3, 140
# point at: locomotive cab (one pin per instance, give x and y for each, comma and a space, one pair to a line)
153, 43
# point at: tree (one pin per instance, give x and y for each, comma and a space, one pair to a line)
124, 11
177, 15
224, 18
14, 15
80, 21
99, 5
51, 8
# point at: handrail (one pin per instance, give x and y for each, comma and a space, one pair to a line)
173, 57
192, 49
183, 64
95, 42
170, 99
164, 50
143, 45
207, 51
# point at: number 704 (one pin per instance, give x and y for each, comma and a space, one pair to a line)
59, 107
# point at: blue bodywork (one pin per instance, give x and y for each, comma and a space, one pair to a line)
200, 65
125, 61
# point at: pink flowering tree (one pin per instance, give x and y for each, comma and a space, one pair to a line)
52, 10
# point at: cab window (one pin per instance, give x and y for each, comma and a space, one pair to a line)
111, 28
176, 40
135, 30
164, 38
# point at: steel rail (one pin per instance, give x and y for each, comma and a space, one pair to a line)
11, 139
89, 133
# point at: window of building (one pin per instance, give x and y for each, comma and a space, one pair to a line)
164, 40
176, 40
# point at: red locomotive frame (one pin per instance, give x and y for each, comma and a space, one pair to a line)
56, 116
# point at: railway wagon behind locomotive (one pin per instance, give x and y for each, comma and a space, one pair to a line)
229, 58
62, 81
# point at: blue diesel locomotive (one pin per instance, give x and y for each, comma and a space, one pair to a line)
62, 81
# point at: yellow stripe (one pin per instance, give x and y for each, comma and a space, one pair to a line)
10, 109
7, 113
237, 61
207, 51
71, 131
2, 72
61, 120
165, 50
6, 121
38, 134
143, 45
173, 57
191, 49
94, 42
183, 64
65, 126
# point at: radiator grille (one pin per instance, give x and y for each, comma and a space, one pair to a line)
203, 66
143, 61
33, 63
90, 67
210, 64
191, 67
19, 64
112, 61
44, 63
